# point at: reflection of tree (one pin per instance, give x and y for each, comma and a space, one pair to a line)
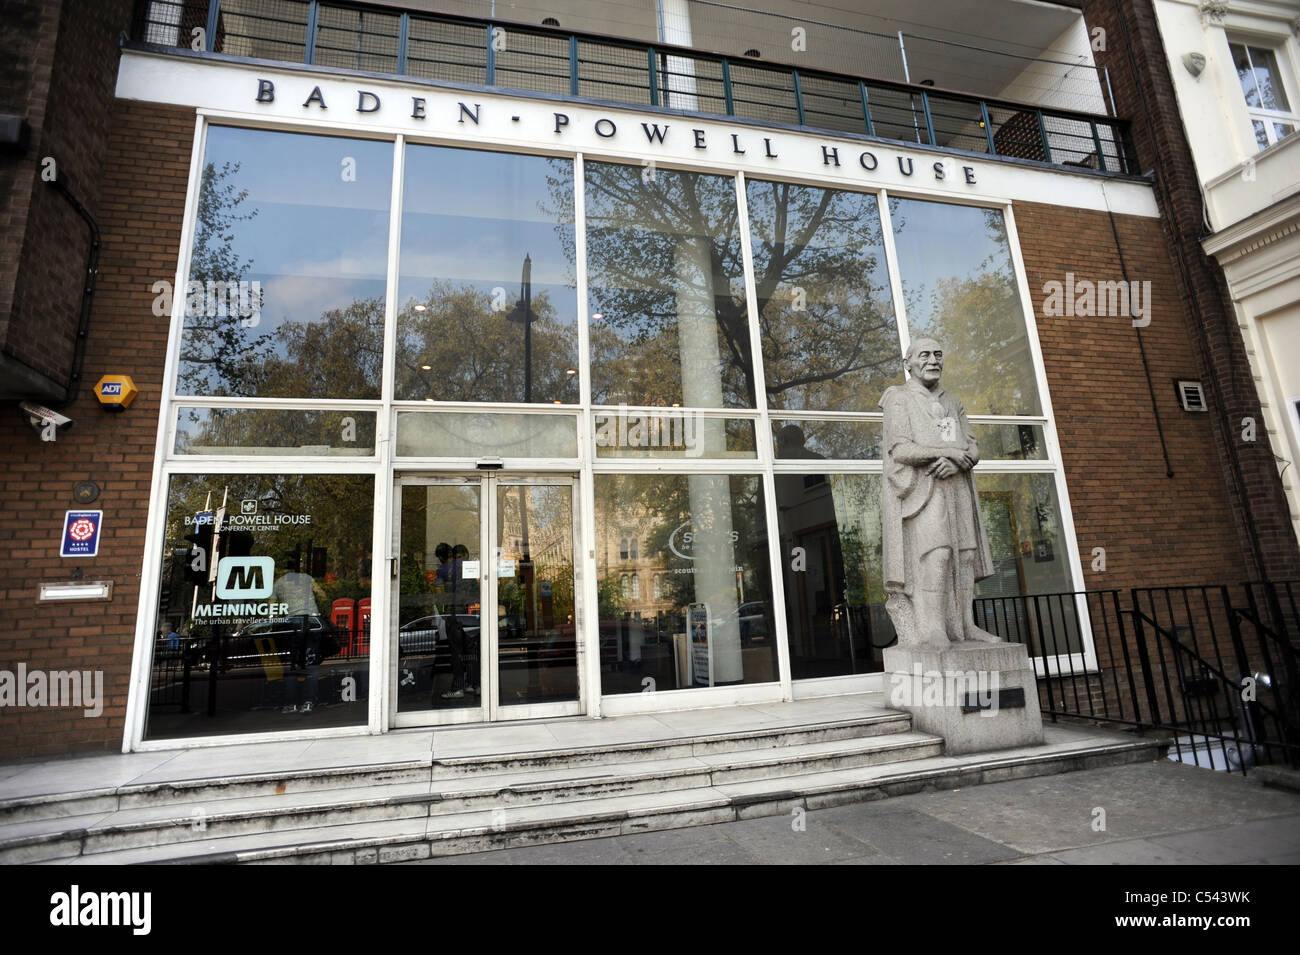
665, 250
475, 353
342, 353
217, 352
829, 336
979, 320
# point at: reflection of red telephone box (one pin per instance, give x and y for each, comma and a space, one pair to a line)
363, 626
343, 614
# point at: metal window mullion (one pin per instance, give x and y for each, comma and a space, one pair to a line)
866, 108
726, 88
654, 75
988, 127
309, 53
929, 120
491, 78
573, 64
214, 15
798, 97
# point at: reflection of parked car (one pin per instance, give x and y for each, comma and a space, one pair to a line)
267, 641
422, 636
753, 621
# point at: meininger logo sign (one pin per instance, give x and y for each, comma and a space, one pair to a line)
78, 908
245, 578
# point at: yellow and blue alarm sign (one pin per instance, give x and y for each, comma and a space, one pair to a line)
116, 392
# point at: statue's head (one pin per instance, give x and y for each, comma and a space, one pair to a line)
924, 361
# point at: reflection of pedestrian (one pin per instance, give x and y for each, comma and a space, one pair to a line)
450, 575
296, 592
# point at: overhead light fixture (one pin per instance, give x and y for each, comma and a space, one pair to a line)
597, 316
420, 308
927, 82
571, 371
754, 53
426, 367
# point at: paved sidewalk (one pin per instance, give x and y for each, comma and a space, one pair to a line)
1161, 813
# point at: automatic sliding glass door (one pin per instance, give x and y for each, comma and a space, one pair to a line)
484, 608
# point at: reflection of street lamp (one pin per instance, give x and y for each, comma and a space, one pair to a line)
523, 314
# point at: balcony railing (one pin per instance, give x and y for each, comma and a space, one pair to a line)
494, 53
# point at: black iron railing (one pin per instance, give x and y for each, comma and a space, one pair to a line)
1215, 668
352, 36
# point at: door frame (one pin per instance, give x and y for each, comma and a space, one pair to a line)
490, 709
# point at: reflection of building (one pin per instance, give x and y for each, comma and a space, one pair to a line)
397, 185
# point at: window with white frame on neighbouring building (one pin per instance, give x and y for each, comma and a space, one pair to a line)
1264, 88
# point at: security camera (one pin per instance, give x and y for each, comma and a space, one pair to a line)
43, 419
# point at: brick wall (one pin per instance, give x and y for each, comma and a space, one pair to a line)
1144, 94
62, 82
141, 205
1156, 530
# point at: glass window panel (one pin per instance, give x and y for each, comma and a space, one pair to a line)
834, 597
264, 609
672, 434
260, 431
289, 267
830, 341
836, 617
709, 620
1268, 82
1022, 517
487, 290
669, 324
1010, 442
960, 288
1261, 133
805, 438
448, 434
1245, 74
439, 607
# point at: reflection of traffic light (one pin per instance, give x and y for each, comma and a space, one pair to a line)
199, 558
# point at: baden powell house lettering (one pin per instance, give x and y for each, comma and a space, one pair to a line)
471, 115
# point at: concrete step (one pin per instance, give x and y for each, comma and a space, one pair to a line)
450, 833
99, 801
192, 820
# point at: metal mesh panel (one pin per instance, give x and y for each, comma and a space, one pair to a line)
832, 104
1016, 133
691, 83
958, 124
613, 72
897, 115
266, 29
353, 39
439, 50
1071, 142
761, 93
173, 22
532, 61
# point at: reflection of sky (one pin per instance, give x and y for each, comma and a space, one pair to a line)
940, 240
317, 241
471, 217
301, 169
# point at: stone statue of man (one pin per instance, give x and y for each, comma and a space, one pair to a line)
935, 547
